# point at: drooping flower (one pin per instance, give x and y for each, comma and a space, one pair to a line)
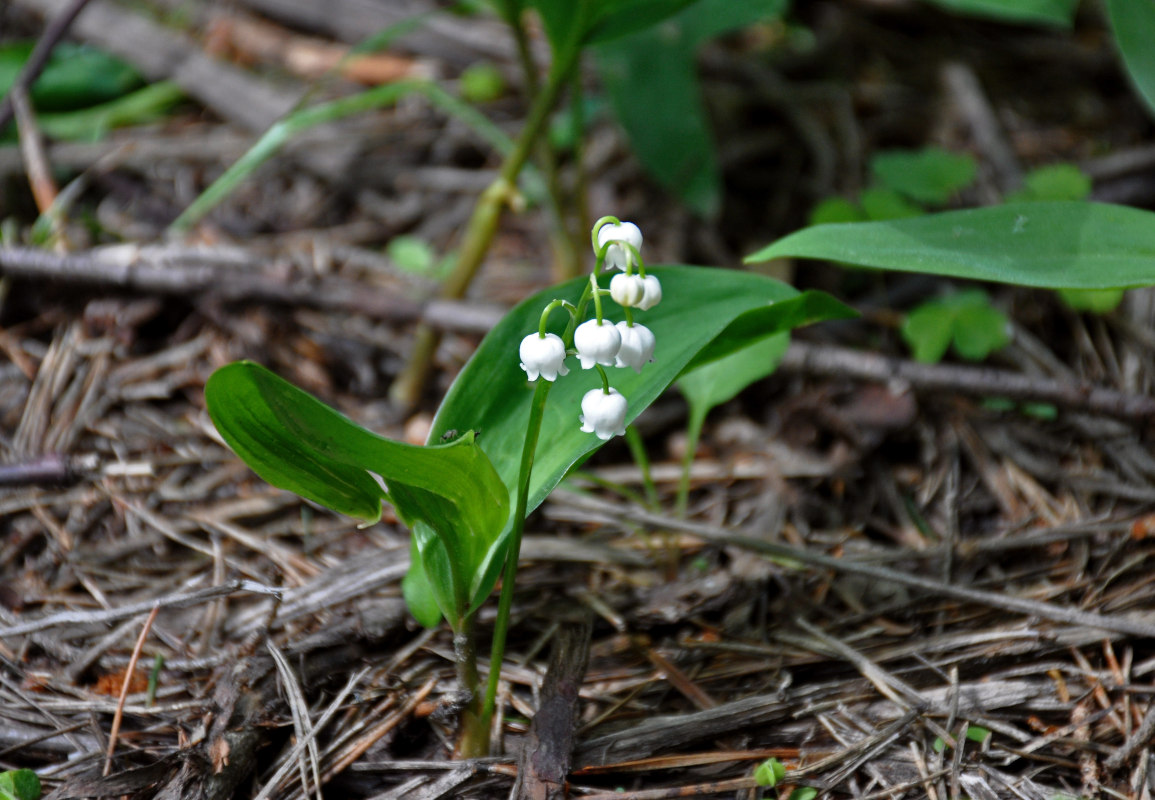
617, 256
597, 343
604, 413
627, 290
652, 295
637, 348
543, 355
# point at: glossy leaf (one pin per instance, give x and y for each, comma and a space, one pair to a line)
1059, 13
570, 23
298, 443
709, 311
719, 381
1048, 245
1133, 22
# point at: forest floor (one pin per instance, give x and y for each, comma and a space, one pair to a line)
975, 564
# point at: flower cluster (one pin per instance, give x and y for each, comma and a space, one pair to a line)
597, 342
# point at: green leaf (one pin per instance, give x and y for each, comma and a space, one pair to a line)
298, 443
586, 22
803, 793
1059, 13
965, 319
482, 83
651, 79
712, 311
717, 382
1133, 22
883, 203
835, 209
931, 175
76, 76
769, 773
1047, 245
417, 589
1053, 182
19, 784
1096, 301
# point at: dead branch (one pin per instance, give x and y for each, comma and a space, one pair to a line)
842, 362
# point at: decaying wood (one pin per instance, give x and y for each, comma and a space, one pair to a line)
545, 756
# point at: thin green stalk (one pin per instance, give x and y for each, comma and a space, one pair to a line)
693, 434
284, 130
473, 741
482, 227
638, 452
509, 578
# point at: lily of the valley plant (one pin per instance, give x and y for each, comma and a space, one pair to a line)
465, 502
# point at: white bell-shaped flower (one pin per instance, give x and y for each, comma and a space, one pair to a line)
604, 413
597, 343
627, 290
543, 355
637, 348
617, 256
652, 295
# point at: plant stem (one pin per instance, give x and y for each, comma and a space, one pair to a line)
693, 434
406, 389
474, 733
501, 626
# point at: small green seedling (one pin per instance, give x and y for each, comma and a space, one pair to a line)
974, 733
415, 255
1054, 182
965, 319
1094, 301
931, 176
771, 772
482, 83
19, 784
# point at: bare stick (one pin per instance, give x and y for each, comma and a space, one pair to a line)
1132, 625
129, 671
982, 381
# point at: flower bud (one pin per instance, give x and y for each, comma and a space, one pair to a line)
653, 293
637, 348
604, 413
597, 343
617, 256
544, 355
627, 290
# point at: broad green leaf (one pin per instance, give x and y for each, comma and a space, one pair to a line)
719, 381
570, 23
1133, 22
1096, 301
1053, 182
1059, 13
700, 304
931, 175
417, 588
965, 319
76, 76
1047, 245
298, 443
651, 79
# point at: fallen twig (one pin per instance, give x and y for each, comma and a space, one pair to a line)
983, 381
